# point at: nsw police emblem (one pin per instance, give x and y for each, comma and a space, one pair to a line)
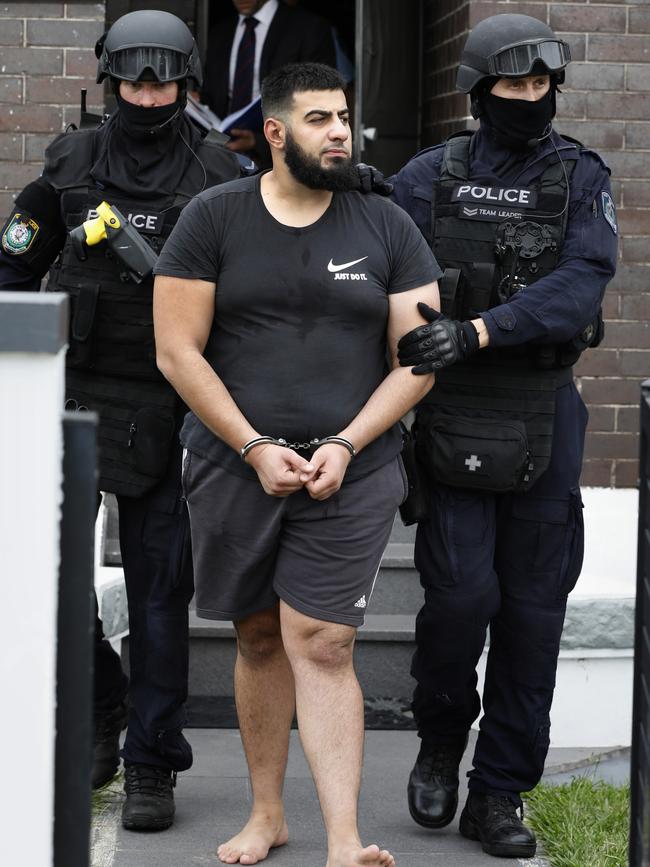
19, 235
609, 211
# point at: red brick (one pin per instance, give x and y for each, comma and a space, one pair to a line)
635, 363
587, 19
595, 76
572, 104
637, 135
30, 118
638, 77
636, 193
11, 32
639, 20
627, 335
597, 135
80, 62
632, 106
62, 91
602, 418
630, 49
11, 89
71, 113
611, 305
627, 418
31, 10
600, 362
636, 306
627, 165
597, 474
15, 175
611, 445
626, 474
35, 145
33, 61
88, 10
631, 278
634, 222
11, 146
610, 392
481, 10
63, 32
636, 250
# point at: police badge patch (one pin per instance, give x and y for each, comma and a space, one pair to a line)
19, 235
609, 211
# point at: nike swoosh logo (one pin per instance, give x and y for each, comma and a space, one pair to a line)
334, 268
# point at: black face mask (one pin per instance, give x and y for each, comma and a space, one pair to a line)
518, 123
142, 123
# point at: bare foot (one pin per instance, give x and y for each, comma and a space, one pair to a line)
262, 832
358, 856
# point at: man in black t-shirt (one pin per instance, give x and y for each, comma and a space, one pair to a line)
277, 303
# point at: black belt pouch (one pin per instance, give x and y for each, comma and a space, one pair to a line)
415, 507
480, 453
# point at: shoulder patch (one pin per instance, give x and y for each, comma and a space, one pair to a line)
19, 234
609, 211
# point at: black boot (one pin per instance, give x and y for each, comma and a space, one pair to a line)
149, 804
106, 749
433, 784
493, 820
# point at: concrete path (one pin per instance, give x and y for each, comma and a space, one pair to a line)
213, 798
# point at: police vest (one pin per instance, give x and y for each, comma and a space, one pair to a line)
111, 360
488, 422
494, 241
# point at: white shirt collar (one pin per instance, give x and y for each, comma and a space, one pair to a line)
265, 14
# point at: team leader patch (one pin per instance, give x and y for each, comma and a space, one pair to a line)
19, 234
609, 211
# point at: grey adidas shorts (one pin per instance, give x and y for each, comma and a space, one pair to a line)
321, 558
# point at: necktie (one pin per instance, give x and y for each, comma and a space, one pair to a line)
242, 86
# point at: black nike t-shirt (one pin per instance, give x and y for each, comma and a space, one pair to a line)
299, 332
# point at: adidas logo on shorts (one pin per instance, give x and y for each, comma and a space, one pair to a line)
361, 603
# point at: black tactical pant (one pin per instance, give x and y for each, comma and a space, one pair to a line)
507, 561
155, 547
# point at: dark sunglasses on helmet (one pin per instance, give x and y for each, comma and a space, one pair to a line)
518, 60
129, 64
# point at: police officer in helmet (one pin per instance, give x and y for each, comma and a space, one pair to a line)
522, 220
145, 163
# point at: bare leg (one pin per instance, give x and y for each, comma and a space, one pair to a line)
264, 692
330, 718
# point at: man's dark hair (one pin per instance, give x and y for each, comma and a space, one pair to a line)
279, 87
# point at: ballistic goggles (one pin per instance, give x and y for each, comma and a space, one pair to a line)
130, 64
518, 60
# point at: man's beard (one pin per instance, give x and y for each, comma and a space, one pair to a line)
340, 177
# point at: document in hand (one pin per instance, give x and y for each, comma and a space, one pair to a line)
248, 117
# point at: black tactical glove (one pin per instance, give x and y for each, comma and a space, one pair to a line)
440, 344
371, 180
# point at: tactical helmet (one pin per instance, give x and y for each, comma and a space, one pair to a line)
148, 42
511, 46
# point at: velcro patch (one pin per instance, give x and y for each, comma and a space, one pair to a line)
19, 234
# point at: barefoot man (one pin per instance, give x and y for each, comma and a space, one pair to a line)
278, 300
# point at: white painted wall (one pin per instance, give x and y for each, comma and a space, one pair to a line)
31, 398
592, 706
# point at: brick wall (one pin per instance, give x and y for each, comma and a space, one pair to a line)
47, 56
605, 104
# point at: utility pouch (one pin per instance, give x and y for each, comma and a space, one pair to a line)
479, 453
415, 507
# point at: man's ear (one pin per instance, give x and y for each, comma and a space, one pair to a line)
274, 132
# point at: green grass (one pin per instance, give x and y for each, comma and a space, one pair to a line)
107, 795
582, 823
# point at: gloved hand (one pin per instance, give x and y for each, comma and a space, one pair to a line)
371, 180
440, 344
